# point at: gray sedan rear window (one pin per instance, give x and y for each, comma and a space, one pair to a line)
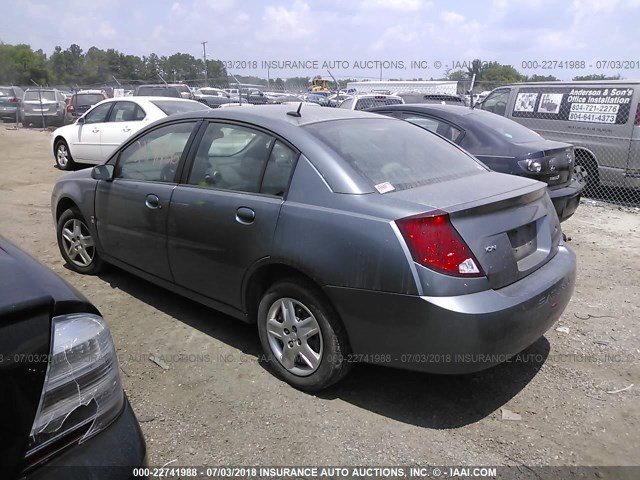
394, 155
173, 108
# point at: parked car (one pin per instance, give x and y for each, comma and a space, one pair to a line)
601, 118
60, 391
321, 100
184, 90
44, 106
10, 103
255, 97
96, 134
503, 146
362, 102
214, 97
344, 235
82, 101
432, 98
159, 90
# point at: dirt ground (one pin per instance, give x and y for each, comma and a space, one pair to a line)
216, 404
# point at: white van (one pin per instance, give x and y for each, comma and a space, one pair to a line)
600, 118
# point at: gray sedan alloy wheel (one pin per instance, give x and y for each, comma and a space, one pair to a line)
301, 335
76, 243
294, 336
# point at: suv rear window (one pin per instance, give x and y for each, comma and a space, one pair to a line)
45, 95
158, 92
6, 92
387, 150
88, 98
173, 108
182, 88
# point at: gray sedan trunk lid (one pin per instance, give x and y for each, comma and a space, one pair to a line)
511, 233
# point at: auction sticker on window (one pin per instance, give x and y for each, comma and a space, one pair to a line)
385, 187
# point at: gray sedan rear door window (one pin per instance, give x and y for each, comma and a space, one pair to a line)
231, 157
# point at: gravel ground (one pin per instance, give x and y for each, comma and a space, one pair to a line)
210, 402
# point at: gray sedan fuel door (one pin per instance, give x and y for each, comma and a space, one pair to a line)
132, 209
223, 220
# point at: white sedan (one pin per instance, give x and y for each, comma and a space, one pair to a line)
95, 135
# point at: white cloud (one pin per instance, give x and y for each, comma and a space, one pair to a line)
403, 5
106, 31
281, 24
393, 36
214, 5
177, 9
452, 18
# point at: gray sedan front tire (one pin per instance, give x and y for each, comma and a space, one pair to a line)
76, 243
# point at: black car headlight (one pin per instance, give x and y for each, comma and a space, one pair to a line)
82, 393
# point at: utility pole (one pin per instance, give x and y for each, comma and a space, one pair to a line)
204, 54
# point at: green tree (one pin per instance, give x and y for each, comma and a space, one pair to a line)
597, 77
457, 75
541, 78
19, 64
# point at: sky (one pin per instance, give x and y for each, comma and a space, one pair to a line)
414, 38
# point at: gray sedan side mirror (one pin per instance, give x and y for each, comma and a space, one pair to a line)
80, 120
102, 172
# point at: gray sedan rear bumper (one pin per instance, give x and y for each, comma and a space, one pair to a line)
459, 334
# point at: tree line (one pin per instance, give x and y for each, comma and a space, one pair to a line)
21, 65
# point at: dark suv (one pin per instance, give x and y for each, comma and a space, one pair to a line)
82, 101
61, 400
10, 102
159, 90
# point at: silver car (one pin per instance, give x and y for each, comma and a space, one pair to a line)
345, 236
44, 106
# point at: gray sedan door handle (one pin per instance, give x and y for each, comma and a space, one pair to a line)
126, 129
95, 130
245, 215
152, 202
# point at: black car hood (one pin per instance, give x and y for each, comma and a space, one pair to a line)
25, 281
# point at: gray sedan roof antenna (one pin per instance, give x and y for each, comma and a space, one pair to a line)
297, 113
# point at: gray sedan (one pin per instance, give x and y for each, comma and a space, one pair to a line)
345, 236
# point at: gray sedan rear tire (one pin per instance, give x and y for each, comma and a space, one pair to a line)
302, 338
